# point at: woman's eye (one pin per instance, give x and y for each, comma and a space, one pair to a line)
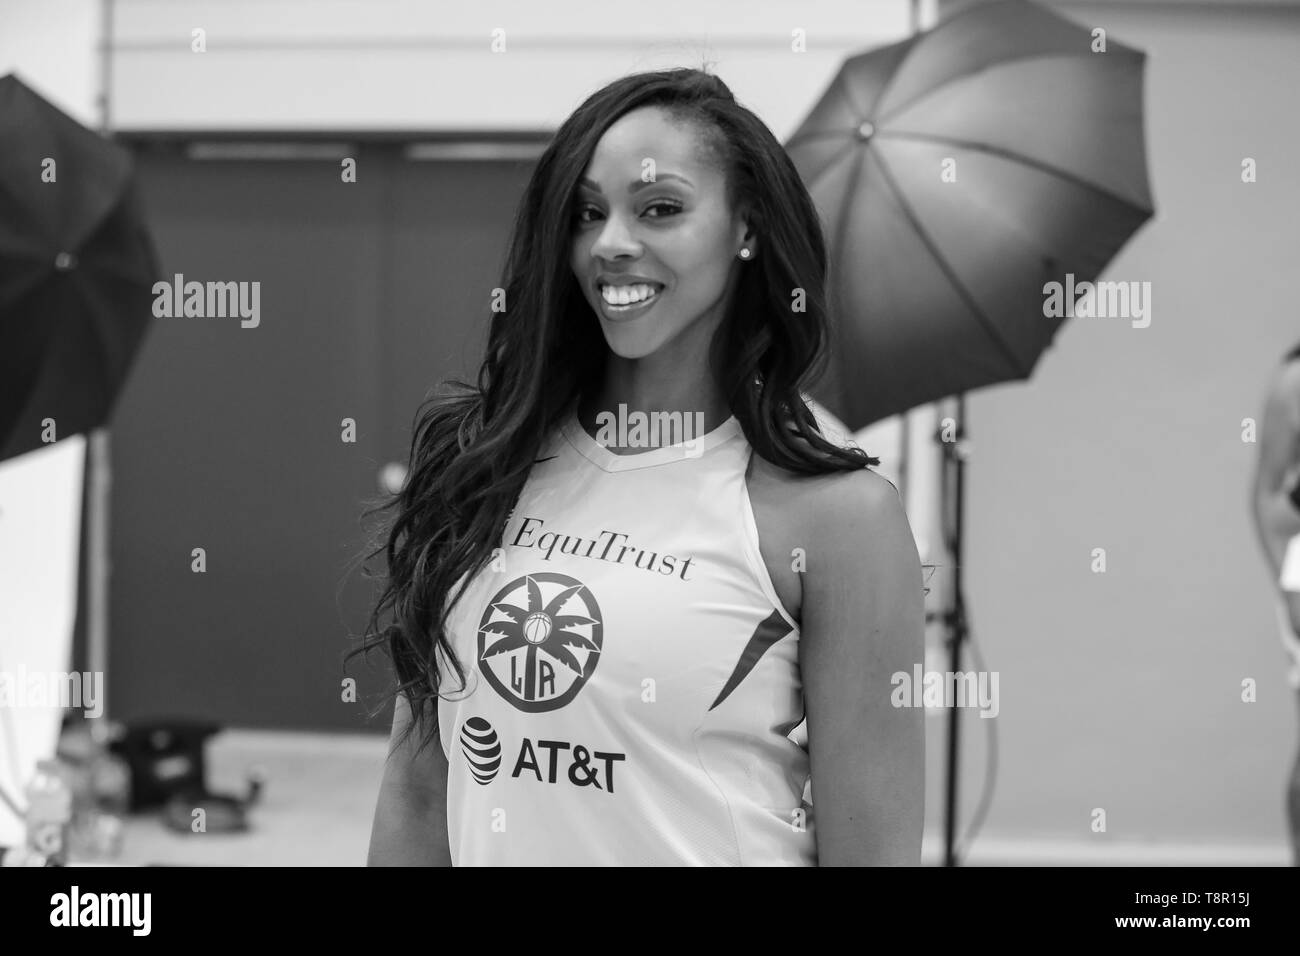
673, 208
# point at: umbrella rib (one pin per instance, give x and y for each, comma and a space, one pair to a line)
848, 145
965, 295
912, 42
1022, 160
842, 227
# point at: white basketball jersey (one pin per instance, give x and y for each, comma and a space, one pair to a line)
632, 679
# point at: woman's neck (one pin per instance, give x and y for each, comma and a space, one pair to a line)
700, 408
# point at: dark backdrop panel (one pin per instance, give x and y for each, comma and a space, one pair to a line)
449, 228
228, 438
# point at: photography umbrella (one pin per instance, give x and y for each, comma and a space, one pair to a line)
77, 266
76, 270
958, 173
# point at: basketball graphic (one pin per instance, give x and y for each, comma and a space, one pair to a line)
537, 628
478, 741
539, 640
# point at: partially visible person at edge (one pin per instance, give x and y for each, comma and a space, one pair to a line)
604, 652
1276, 510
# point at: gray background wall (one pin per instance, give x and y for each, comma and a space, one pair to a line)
1123, 690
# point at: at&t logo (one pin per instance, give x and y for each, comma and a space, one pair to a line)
546, 761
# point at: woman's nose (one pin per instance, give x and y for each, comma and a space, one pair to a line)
615, 239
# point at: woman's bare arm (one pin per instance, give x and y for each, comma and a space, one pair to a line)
863, 621
1275, 517
410, 825
1279, 454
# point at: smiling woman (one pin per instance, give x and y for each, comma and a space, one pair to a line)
666, 258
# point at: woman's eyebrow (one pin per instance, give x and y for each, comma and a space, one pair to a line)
637, 184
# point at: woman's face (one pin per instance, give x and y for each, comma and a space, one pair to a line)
649, 211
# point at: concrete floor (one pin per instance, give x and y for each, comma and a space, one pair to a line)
315, 808
319, 798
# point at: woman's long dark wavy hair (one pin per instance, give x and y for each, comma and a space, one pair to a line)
472, 446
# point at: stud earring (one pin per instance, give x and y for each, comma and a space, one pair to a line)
744, 253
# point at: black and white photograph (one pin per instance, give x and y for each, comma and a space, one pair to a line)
572, 434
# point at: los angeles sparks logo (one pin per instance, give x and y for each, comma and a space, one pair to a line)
539, 640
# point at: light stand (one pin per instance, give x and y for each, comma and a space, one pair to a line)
954, 468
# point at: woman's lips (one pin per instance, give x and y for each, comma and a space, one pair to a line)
614, 312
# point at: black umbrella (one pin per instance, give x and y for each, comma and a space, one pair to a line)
76, 270
937, 283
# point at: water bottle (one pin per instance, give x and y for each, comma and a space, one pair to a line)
49, 813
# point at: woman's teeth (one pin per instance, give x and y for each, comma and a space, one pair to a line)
627, 294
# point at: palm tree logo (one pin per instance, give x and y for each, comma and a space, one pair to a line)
540, 639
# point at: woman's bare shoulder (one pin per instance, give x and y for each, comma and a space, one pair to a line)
819, 496
818, 488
